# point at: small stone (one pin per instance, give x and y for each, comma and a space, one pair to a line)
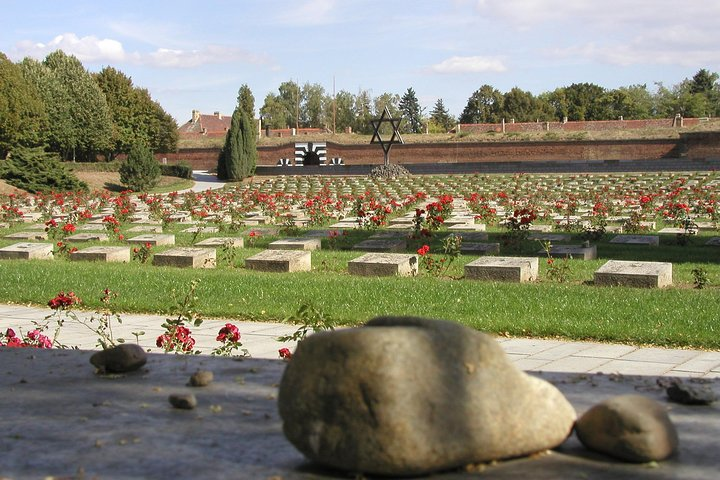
201, 378
628, 427
680, 392
123, 358
183, 401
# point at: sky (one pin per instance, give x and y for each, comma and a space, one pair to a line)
195, 55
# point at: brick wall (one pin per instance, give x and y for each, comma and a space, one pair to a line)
692, 145
591, 126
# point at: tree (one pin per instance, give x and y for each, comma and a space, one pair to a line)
246, 100
522, 106
314, 106
344, 110
35, 170
238, 157
23, 120
483, 106
135, 115
440, 117
703, 82
583, 101
140, 171
391, 101
411, 111
363, 112
282, 110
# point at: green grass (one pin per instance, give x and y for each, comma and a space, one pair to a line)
679, 316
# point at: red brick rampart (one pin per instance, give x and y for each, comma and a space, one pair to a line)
699, 145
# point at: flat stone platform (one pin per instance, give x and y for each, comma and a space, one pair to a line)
81, 425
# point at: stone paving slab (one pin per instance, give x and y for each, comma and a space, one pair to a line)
79, 425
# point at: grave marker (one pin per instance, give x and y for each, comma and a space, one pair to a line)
382, 245
186, 257
652, 240
102, 254
296, 244
634, 274
280, 261
384, 264
154, 239
27, 251
503, 269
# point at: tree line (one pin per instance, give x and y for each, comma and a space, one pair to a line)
57, 105
310, 105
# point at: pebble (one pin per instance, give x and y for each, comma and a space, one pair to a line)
183, 401
201, 378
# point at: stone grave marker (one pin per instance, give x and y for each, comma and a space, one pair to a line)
27, 236
713, 242
88, 237
4, 225
146, 229
27, 251
634, 274
388, 234
470, 236
201, 230
344, 224
577, 252
91, 227
154, 239
280, 261
384, 264
296, 244
467, 227
381, 245
31, 217
550, 237
480, 248
102, 254
186, 257
678, 231
236, 242
652, 240
503, 269
540, 228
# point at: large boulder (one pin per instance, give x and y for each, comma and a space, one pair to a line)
406, 396
629, 427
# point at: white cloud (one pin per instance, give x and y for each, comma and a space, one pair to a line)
469, 65
86, 49
310, 13
91, 49
170, 58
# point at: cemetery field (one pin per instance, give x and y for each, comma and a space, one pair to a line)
506, 212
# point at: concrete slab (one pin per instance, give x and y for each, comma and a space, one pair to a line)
186, 257
27, 251
577, 252
384, 264
123, 426
480, 248
550, 237
469, 227
381, 245
236, 242
27, 236
503, 269
280, 261
651, 240
470, 237
154, 239
102, 254
634, 274
200, 230
88, 237
146, 229
713, 242
296, 244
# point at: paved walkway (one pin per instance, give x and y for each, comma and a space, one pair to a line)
205, 181
530, 354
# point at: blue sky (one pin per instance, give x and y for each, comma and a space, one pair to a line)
196, 54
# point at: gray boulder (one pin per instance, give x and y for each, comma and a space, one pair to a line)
629, 427
407, 396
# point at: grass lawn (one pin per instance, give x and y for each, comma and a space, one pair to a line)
679, 316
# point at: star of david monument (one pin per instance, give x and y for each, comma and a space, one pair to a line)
394, 139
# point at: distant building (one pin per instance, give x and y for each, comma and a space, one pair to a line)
217, 126
202, 125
